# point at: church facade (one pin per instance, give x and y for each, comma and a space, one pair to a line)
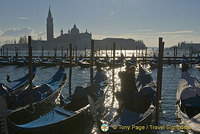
73, 36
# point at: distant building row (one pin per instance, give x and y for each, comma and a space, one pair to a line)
77, 39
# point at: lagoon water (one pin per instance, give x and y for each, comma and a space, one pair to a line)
80, 77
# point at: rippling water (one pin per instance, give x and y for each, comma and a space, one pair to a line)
80, 77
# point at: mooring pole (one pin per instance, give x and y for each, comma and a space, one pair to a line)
67, 52
70, 68
113, 70
85, 54
42, 51
99, 53
76, 54
91, 69
7, 52
159, 78
139, 51
73, 53
142, 50
175, 56
146, 52
30, 73
106, 50
111, 52
62, 51
3, 50
136, 52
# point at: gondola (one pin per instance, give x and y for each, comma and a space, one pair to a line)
197, 62
188, 101
154, 62
118, 63
185, 63
132, 61
100, 63
15, 86
44, 97
83, 64
142, 114
63, 119
5, 62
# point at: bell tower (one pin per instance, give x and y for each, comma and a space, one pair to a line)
49, 26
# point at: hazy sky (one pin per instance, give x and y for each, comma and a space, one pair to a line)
147, 20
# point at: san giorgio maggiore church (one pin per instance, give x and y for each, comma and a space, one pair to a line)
73, 36
77, 39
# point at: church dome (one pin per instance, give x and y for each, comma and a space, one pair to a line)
74, 30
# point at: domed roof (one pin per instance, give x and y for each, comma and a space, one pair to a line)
74, 30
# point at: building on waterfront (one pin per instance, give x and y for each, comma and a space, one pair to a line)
184, 45
78, 39
121, 43
73, 36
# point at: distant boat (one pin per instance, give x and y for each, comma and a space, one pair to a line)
154, 62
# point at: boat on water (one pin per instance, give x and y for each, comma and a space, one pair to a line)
132, 61
118, 63
197, 62
67, 119
185, 63
16, 86
43, 100
188, 101
154, 62
144, 101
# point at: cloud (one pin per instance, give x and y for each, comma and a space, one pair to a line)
18, 32
23, 18
1, 32
178, 32
144, 30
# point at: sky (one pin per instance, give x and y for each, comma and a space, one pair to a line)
147, 20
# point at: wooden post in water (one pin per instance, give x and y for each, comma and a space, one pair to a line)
146, 52
139, 51
3, 50
159, 78
136, 51
62, 51
125, 52
91, 69
111, 51
76, 54
67, 52
73, 53
70, 68
7, 52
30, 73
42, 51
113, 70
175, 56
99, 53
85, 54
